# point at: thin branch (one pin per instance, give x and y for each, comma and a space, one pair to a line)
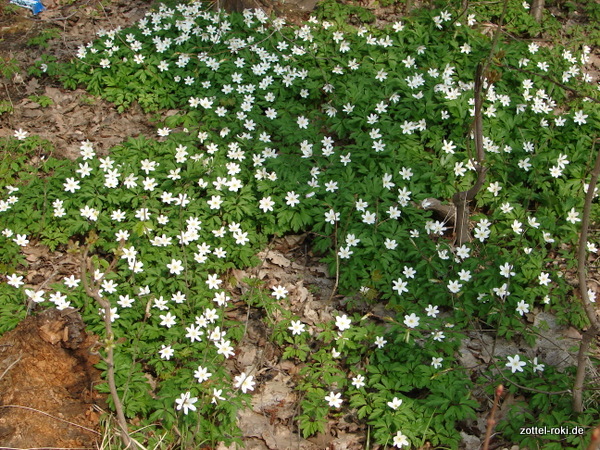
337, 265
595, 439
11, 366
27, 408
461, 199
590, 311
491, 422
92, 290
547, 78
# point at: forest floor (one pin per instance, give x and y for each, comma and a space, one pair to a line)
47, 374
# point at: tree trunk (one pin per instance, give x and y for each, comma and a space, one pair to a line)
537, 9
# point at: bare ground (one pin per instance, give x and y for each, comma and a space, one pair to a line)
47, 378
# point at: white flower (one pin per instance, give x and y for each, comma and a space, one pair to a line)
21, 240
411, 321
186, 402
217, 395
279, 292
573, 216
522, 307
506, 270
166, 352
244, 382
292, 199
125, 301
439, 336
390, 244
20, 134
266, 204
380, 341
175, 267
448, 146
432, 311
71, 185
494, 188
464, 275
109, 286
168, 320
436, 362
515, 364
35, 296
302, 122
202, 374
517, 226
112, 314
71, 282
454, 286
15, 280
334, 400
352, 240
215, 202
400, 440
409, 272
331, 216
395, 403
224, 348
544, 279
358, 381
345, 252
537, 367
580, 117
400, 286
343, 322
296, 327
194, 333
213, 281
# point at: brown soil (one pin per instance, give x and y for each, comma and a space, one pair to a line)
47, 378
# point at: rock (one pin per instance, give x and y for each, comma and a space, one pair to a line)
469, 442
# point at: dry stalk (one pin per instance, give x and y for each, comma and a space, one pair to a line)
591, 333
92, 290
